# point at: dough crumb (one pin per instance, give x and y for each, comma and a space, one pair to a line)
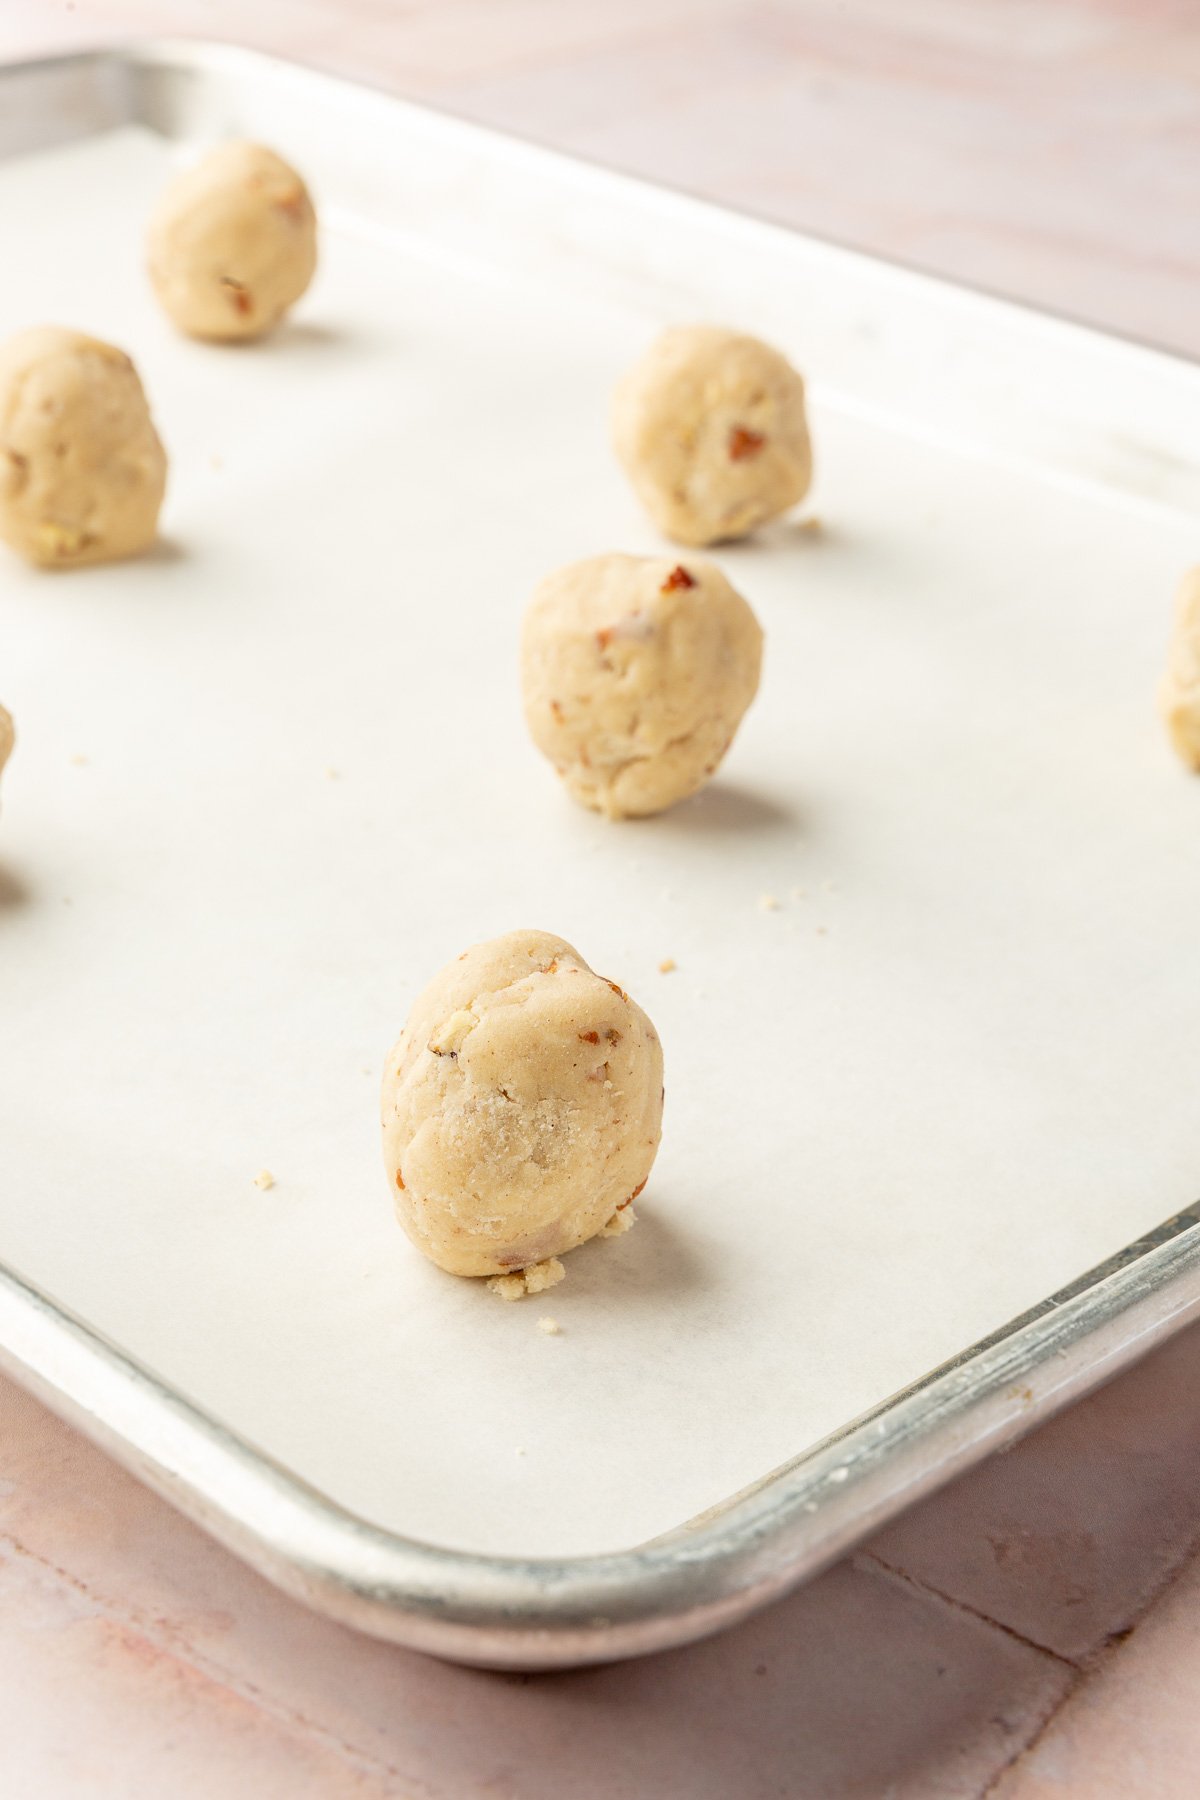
533, 1280
333, 775
543, 1275
623, 1220
799, 893
813, 524
549, 1326
667, 966
79, 762
264, 1179
768, 903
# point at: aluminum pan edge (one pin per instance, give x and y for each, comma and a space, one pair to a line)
555, 1613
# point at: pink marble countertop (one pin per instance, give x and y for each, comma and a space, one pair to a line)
1035, 1629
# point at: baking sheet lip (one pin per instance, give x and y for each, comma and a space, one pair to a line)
553, 1611
179, 51
1027, 1340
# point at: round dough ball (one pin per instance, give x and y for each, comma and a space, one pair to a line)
82, 471
233, 243
636, 671
522, 1108
1179, 695
711, 430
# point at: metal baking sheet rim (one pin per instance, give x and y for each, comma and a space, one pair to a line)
508, 1612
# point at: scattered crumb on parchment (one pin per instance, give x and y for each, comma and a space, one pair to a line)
518, 1449
667, 966
829, 887
799, 893
549, 1326
822, 931
812, 522
264, 1179
216, 461
768, 903
79, 761
533, 1280
623, 1220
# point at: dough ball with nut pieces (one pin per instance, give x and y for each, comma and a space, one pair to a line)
522, 1109
710, 428
232, 243
1179, 695
82, 471
636, 671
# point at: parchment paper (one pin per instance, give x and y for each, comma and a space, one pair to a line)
271, 777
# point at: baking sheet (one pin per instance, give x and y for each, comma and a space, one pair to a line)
902, 1106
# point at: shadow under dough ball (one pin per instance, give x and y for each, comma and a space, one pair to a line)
82, 471
1179, 695
711, 430
232, 243
522, 1109
636, 671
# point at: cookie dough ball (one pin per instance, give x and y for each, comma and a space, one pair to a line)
522, 1108
711, 430
233, 243
1179, 696
82, 471
636, 671
8, 737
